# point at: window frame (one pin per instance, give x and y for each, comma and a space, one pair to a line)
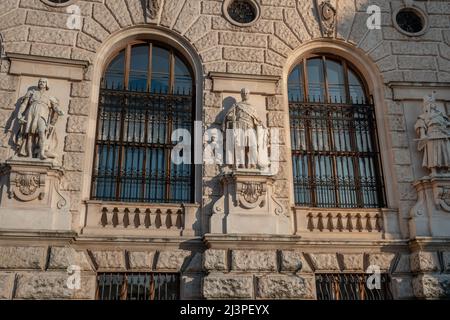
347, 66
173, 54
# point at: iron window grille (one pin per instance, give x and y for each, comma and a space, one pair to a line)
146, 94
352, 286
335, 151
138, 286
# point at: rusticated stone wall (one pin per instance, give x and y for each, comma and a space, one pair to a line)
32, 271
41, 272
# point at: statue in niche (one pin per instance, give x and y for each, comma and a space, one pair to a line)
38, 114
249, 146
433, 129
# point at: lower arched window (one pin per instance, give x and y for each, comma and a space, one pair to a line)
146, 93
335, 153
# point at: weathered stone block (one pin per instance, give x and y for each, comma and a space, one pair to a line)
6, 285
75, 143
432, 286
53, 285
172, 260
285, 287
221, 287
353, 261
141, 259
446, 256
422, 261
63, 257
22, 257
383, 260
252, 260
324, 261
215, 260
109, 259
293, 260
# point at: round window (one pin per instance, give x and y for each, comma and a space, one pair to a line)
411, 21
242, 13
57, 3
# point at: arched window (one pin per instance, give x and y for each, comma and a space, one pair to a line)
147, 93
335, 154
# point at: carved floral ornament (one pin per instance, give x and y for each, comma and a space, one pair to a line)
152, 8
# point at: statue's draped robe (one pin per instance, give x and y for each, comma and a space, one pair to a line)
436, 145
247, 133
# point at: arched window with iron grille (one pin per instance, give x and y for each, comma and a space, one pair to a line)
147, 92
335, 150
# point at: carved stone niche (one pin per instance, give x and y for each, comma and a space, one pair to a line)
431, 214
248, 205
30, 196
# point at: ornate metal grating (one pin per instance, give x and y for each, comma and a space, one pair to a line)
343, 286
138, 286
242, 11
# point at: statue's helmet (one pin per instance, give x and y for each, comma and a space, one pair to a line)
47, 86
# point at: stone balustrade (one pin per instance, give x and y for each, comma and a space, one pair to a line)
341, 223
139, 219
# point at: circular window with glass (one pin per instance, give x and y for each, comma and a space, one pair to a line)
242, 13
57, 3
411, 21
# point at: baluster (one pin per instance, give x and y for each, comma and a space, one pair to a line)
120, 217
369, 226
143, 218
319, 225
310, 223
179, 222
159, 218
115, 217
379, 222
350, 223
137, 218
339, 223
331, 223
358, 225
168, 220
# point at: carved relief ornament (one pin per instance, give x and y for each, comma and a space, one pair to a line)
327, 17
442, 197
251, 194
27, 186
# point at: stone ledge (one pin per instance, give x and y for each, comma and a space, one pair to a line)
226, 82
38, 66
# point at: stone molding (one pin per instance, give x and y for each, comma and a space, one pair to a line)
29, 65
257, 84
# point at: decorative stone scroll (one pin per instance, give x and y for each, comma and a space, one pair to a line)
327, 17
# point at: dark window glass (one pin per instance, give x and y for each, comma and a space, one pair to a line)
242, 11
335, 154
115, 74
138, 286
134, 130
409, 21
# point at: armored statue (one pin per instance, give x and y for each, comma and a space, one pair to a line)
249, 148
433, 129
38, 114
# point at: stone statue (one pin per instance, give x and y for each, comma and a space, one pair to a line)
37, 117
250, 138
433, 129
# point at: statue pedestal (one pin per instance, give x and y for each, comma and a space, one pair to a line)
248, 206
431, 214
30, 196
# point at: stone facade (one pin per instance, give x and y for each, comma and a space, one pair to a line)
274, 258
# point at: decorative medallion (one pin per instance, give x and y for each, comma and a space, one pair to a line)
251, 194
27, 186
327, 15
242, 13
